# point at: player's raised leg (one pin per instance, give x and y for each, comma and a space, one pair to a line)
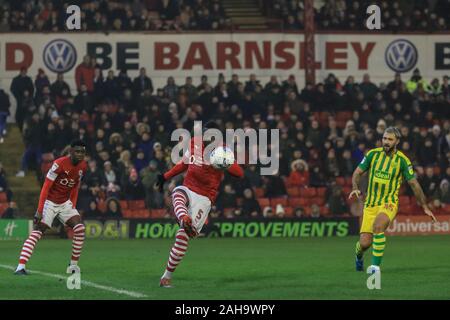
77, 242
379, 240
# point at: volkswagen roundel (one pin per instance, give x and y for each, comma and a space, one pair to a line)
59, 56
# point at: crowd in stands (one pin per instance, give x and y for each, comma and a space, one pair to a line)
325, 129
397, 15
163, 15
106, 15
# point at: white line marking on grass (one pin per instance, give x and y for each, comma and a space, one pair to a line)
83, 282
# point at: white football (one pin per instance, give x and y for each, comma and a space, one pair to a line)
221, 158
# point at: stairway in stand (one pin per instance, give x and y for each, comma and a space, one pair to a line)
25, 190
245, 14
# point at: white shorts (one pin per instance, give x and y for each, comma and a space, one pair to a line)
62, 211
198, 207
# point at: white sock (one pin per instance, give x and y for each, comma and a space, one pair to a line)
73, 262
167, 274
20, 266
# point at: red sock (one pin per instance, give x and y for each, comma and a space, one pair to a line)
180, 201
178, 250
28, 246
77, 242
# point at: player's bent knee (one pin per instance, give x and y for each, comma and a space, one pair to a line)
366, 243
378, 228
42, 227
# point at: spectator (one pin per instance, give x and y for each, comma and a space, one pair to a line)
32, 138
110, 175
250, 206
149, 176
40, 82
315, 211
299, 175
113, 209
142, 83
299, 212
93, 212
336, 201
227, 198
430, 182
442, 194
368, 88
415, 80
171, 89
4, 113
134, 190
21, 84
84, 74
10, 212
4, 184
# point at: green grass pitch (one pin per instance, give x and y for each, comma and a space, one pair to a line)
280, 268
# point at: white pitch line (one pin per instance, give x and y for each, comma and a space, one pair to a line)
83, 282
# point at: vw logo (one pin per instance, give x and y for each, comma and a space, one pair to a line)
401, 55
59, 55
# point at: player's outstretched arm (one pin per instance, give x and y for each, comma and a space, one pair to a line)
236, 170
420, 196
356, 177
180, 167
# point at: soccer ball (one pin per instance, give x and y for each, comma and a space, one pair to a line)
221, 158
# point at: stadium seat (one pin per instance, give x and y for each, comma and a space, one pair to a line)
346, 191
158, 213
127, 213
308, 192
343, 116
3, 207
101, 205
136, 204
324, 210
123, 204
288, 212
298, 202
293, 191
318, 200
340, 124
348, 181
142, 213
274, 201
321, 191
340, 181
446, 209
259, 192
403, 200
307, 211
264, 202
3, 197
